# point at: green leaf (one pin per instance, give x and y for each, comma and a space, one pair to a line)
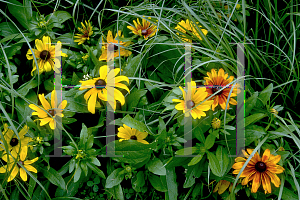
83, 135
220, 162
265, 95
22, 13
176, 161
90, 142
193, 172
172, 183
32, 184
156, 167
210, 141
157, 183
68, 39
131, 67
254, 118
95, 161
161, 126
138, 181
186, 151
54, 177
252, 133
114, 178
195, 160
199, 134
222, 157
131, 151
71, 165
133, 98
132, 123
250, 103
24, 89
84, 167
96, 170
77, 173
8, 29
59, 17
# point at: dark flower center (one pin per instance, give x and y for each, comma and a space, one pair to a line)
144, 32
100, 83
86, 34
190, 104
21, 163
133, 137
215, 89
260, 166
14, 142
116, 47
52, 112
45, 55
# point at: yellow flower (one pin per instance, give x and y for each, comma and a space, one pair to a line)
216, 123
146, 29
86, 33
80, 154
188, 30
12, 140
197, 96
52, 110
127, 133
14, 169
259, 170
216, 82
99, 87
222, 186
85, 57
118, 44
274, 111
45, 55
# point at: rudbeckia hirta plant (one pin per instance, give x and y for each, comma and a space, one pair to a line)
45, 55
15, 168
118, 45
126, 133
86, 32
12, 140
216, 82
197, 96
53, 110
188, 30
146, 29
259, 170
99, 87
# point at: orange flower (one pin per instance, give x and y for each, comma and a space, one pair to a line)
259, 170
216, 82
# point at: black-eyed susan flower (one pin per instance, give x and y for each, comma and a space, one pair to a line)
197, 96
45, 55
188, 31
222, 186
117, 45
86, 32
146, 29
15, 168
126, 133
98, 87
216, 123
215, 82
53, 110
259, 170
12, 140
